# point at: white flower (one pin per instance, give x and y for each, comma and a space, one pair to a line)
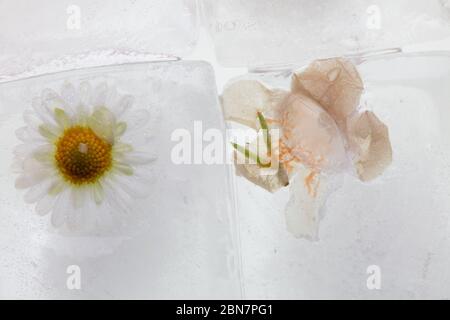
80, 153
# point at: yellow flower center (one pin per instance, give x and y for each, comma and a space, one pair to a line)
81, 156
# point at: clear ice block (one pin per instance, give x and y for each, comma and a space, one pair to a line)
177, 243
56, 35
398, 223
266, 32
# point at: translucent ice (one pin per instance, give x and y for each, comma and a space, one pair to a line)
177, 243
55, 35
265, 32
320, 128
398, 222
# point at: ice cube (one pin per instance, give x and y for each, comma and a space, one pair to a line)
177, 243
266, 32
397, 223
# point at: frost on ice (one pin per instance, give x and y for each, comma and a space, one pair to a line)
322, 133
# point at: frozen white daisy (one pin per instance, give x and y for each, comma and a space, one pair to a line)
81, 153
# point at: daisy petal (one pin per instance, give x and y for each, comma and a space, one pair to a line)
31, 120
78, 196
111, 96
123, 168
22, 150
102, 121
45, 205
36, 104
116, 199
48, 94
33, 173
137, 119
57, 187
85, 91
49, 132
133, 187
99, 95
51, 100
25, 181
97, 193
125, 103
44, 153
37, 192
139, 158
122, 147
23, 134
59, 213
69, 95
16, 166
62, 118
120, 129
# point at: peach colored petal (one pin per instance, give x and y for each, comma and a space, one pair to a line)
334, 83
311, 135
369, 140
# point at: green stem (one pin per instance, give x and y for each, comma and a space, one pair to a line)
266, 134
267, 138
250, 155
